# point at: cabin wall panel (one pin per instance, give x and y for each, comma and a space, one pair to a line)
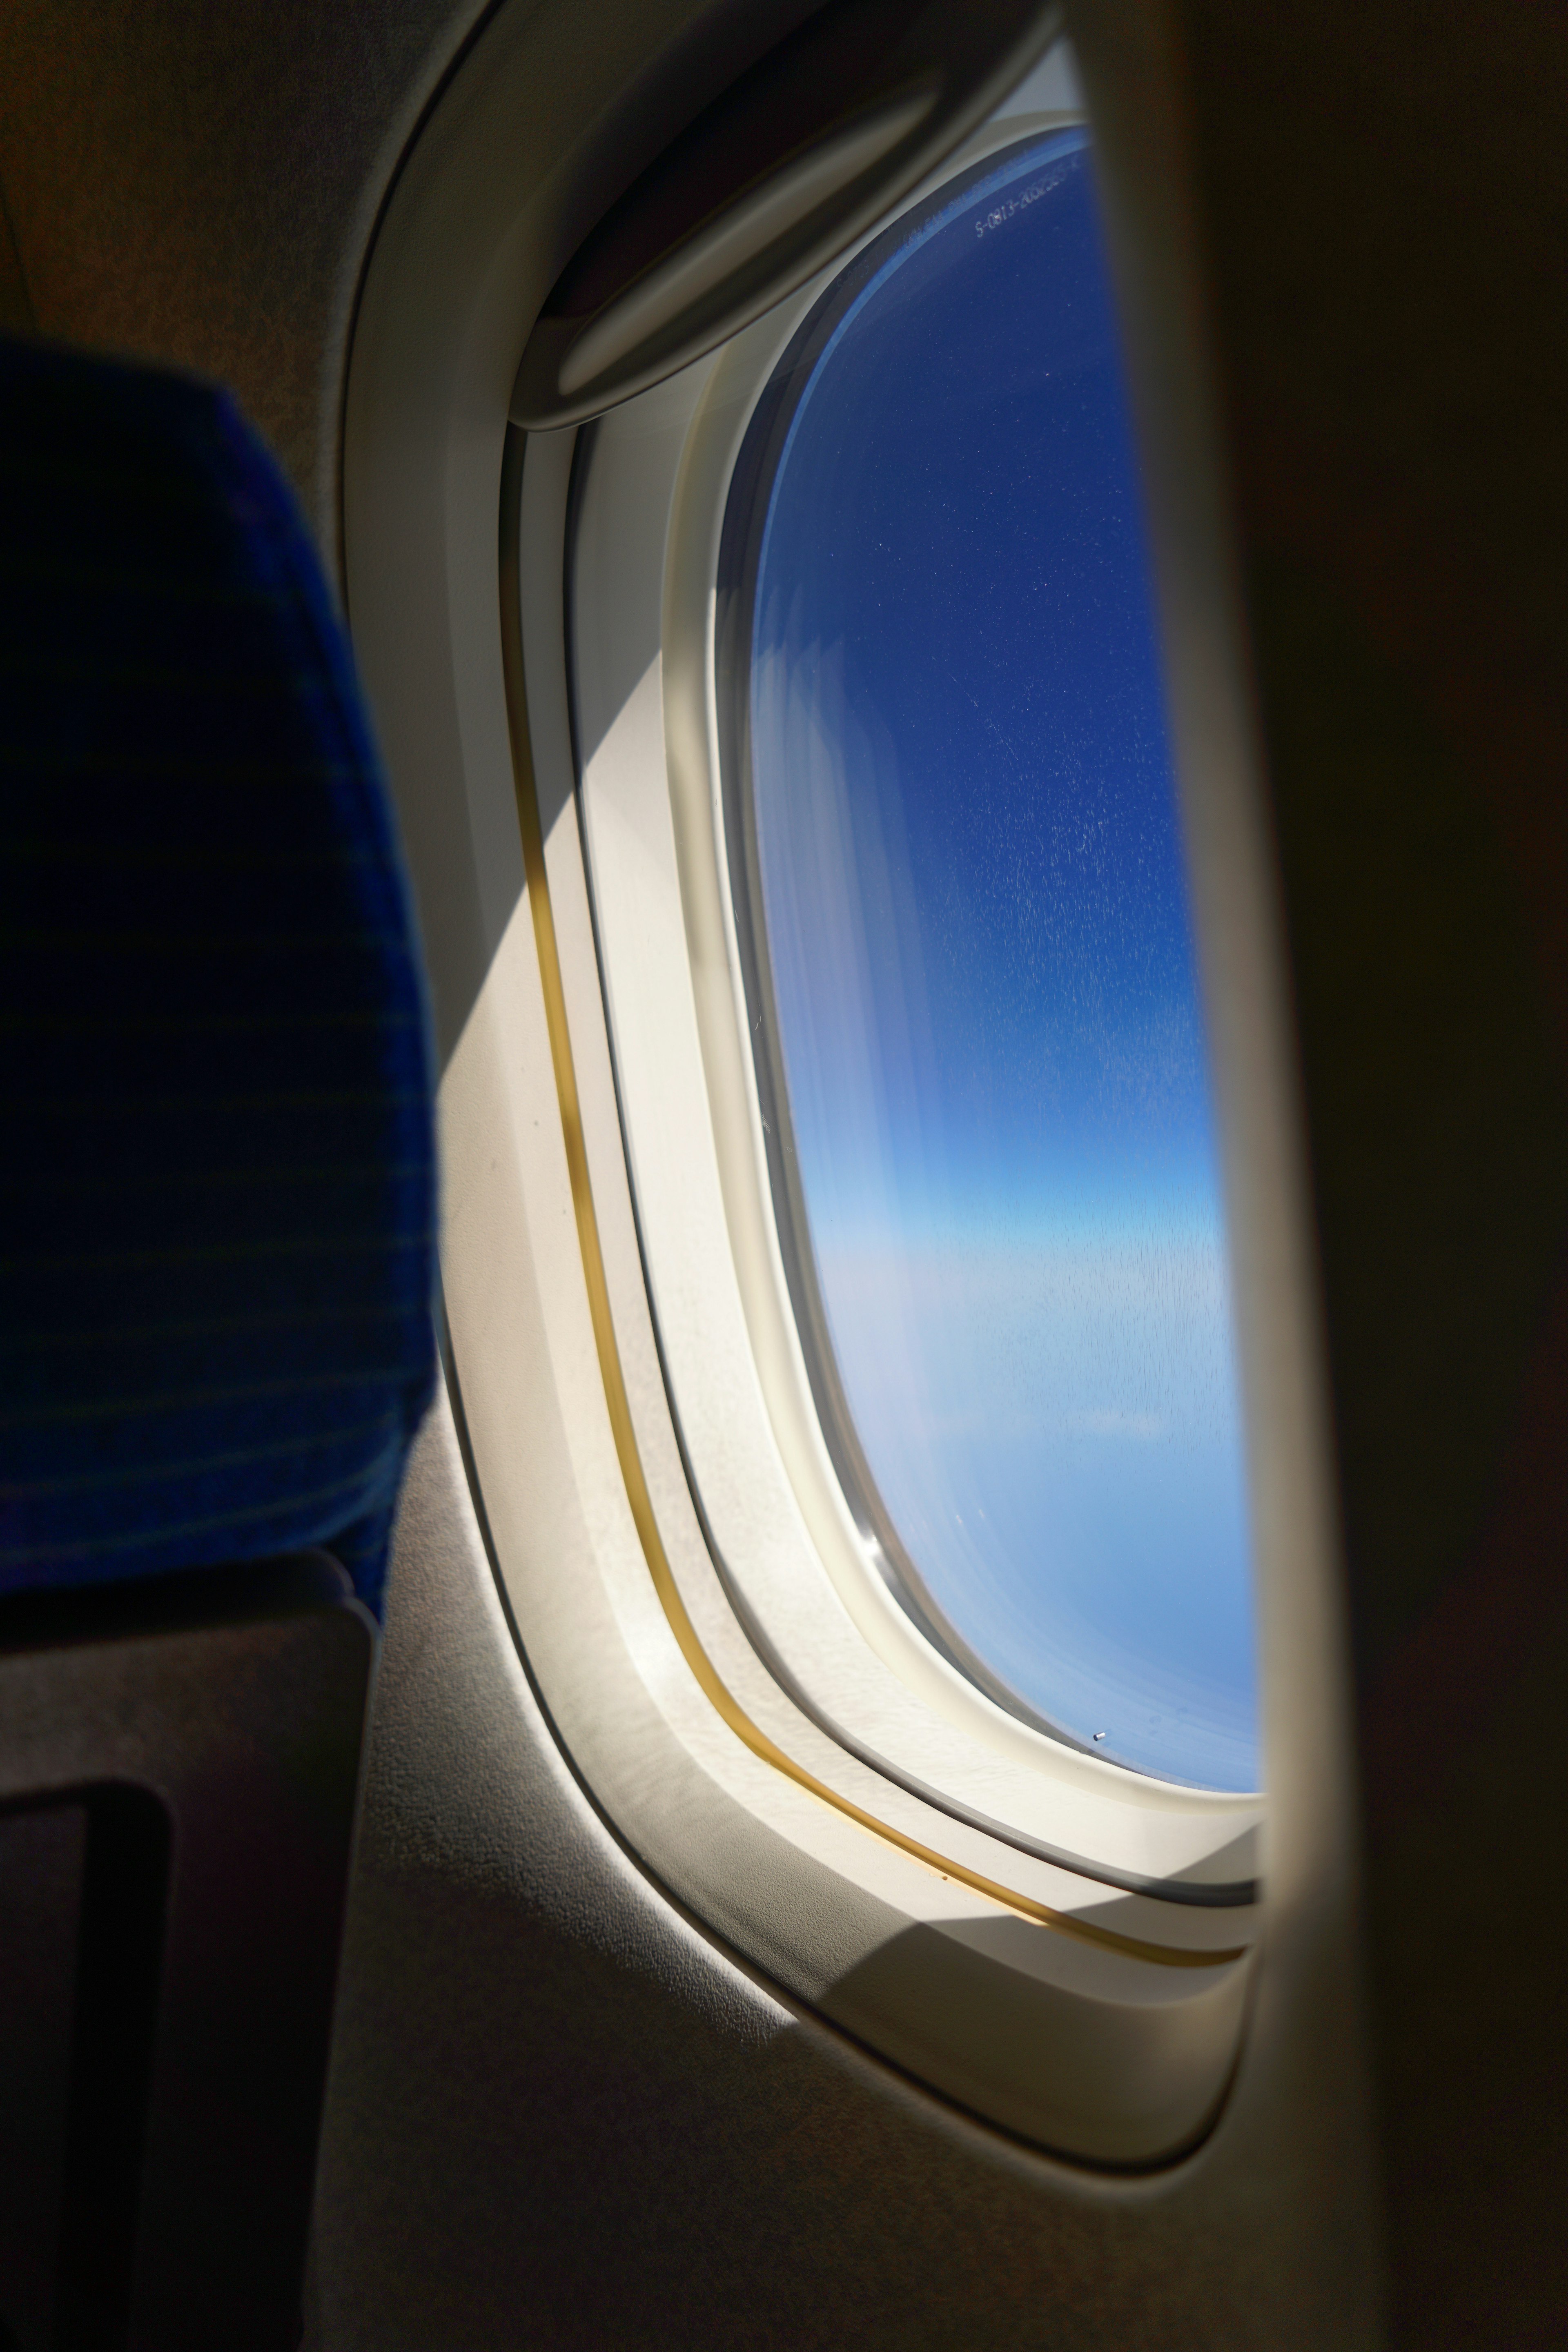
196, 184
1385, 196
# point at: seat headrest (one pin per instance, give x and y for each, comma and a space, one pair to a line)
216, 1267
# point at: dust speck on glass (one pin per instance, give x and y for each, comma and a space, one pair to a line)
973, 955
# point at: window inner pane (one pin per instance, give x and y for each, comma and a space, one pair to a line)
987, 1044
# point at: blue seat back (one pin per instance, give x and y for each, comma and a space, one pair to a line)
216, 1263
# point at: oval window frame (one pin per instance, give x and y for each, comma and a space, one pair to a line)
1167, 1918
525, 1378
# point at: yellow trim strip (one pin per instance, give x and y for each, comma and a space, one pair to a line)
626, 1450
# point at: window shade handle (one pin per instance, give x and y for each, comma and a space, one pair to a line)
766, 185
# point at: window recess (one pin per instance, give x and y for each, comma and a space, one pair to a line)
1057, 1941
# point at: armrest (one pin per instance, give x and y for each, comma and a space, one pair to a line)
179, 1762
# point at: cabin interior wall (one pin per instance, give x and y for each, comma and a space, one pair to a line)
1387, 203
197, 186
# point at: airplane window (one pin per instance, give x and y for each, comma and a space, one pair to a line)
984, 1062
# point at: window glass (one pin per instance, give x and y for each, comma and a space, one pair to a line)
983, 1055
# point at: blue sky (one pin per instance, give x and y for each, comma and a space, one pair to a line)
977, 923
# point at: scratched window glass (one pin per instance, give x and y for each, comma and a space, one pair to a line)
973, 938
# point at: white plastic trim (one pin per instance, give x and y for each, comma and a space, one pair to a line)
1094, 2051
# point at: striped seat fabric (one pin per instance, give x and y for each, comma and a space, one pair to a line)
215, 1268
